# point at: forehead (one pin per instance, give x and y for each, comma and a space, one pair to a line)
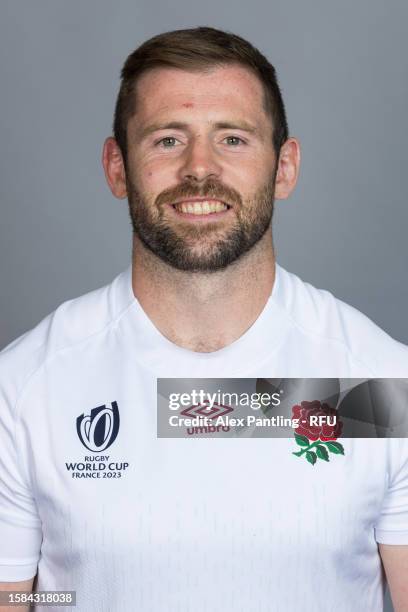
233, 89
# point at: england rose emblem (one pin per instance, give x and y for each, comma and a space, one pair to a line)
317, 432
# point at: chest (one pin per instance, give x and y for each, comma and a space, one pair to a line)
103, 481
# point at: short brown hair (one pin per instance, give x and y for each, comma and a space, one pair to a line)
197, 49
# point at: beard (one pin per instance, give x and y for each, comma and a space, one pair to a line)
203, 246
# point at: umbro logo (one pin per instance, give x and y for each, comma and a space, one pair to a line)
99, 429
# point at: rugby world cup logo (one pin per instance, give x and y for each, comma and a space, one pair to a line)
98, 430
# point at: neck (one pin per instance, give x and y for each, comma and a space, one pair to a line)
204, 312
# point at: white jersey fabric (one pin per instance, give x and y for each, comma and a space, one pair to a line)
193, 524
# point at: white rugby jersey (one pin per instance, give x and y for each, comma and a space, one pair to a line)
199, 524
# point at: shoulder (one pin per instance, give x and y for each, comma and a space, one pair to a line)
72, 323
319, 314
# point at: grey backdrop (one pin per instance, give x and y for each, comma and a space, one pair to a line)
343, 69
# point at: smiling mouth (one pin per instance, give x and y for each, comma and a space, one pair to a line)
201, 207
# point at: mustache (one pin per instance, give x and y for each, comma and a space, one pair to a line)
211, 189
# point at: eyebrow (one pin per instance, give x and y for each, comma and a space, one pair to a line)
179, 125
237, 125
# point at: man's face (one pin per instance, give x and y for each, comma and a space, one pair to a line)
200, 166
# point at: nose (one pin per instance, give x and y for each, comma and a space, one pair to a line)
200, 162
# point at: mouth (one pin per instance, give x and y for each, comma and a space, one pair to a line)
201, 208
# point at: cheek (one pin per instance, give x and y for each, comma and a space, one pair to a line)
150, 182
249, 178
154, 176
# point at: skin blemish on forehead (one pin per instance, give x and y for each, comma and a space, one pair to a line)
188, 105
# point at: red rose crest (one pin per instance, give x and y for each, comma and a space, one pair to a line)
317, 432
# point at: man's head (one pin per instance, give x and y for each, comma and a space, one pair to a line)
201, 147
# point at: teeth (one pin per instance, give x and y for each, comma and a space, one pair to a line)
201, 208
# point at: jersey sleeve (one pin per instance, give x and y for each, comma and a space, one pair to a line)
20, 525
392, 525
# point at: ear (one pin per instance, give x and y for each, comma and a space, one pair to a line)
114, 168
288, 169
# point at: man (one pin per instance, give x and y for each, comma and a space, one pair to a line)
201, 150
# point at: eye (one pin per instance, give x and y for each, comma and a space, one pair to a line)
168, 142
234, 140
